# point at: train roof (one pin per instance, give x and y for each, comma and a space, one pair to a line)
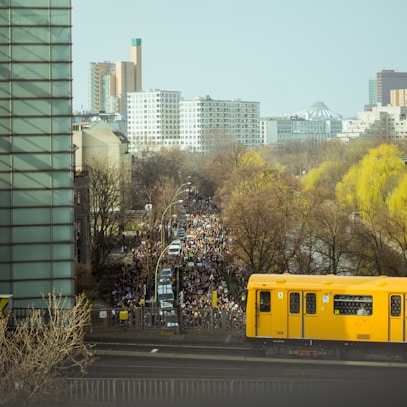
323, 281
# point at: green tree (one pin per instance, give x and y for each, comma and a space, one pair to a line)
368, 185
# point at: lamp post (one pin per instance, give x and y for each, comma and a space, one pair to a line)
178, 191
162, 218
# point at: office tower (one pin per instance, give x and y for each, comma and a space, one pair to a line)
110, 82
153, 119
372, 92
36, 174
388, 80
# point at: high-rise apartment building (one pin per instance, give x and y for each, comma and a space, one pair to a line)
110, 82
153, 119
388, 80
36, 174
207, 124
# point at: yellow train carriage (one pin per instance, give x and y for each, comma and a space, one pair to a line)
284, 307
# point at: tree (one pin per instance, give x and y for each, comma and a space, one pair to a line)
259, 209
109, 198
45, 347
368, 184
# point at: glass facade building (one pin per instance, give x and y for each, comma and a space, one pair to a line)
36, 169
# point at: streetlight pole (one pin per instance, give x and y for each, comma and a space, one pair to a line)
182, 186
162, 218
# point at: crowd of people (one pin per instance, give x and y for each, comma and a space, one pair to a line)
203, 283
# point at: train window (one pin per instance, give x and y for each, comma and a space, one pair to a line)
311, 303
353, 304
294, 303
395, 305
264, 301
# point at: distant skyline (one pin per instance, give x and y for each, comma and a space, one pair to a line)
285, 55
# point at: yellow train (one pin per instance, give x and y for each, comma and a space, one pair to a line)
326, 315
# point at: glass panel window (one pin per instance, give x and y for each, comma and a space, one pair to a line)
5, 108
60, 107
31, 198
60, 70
61, 142
61, 215
265, 304
59, 17
33, 144
353, 304
37, 269
311, 303
294, 303
31, 252
32, 180
60, 53
395, 305
30, 71
31, 126
30, 52
31, 234
30, 89
60, 34
20, 34
61, 161
61, 197
4, 35
32, 162
33, 216
61, 89
32, 107
61, 251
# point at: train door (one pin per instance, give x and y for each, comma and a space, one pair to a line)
295, 320
309, 315
397, 318
264, 308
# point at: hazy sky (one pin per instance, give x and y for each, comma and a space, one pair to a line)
286, 55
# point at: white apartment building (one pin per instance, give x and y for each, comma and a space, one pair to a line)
381, 121
153, 119
159, 118
207, 124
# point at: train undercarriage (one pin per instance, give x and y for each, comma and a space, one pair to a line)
331, 350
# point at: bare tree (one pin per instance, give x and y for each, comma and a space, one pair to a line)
43, 348
109, 198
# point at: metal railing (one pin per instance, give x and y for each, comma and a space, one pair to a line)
144, 392
211, 320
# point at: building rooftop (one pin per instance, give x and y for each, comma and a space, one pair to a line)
318, 111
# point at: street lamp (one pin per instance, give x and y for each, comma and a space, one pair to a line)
178, 191
162, 218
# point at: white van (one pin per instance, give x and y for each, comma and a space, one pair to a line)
165, 295
174, 250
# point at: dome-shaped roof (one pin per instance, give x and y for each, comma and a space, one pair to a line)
318, 111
